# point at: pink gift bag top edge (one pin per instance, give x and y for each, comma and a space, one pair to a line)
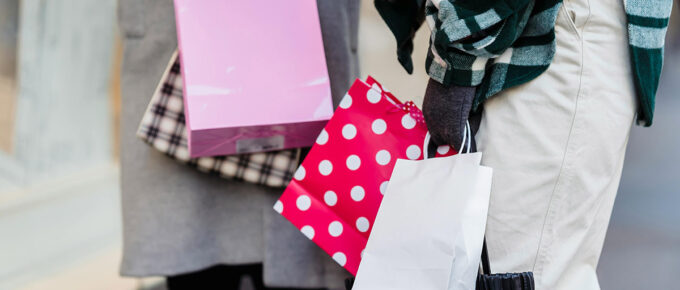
248, 64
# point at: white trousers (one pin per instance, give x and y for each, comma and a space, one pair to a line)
557, 145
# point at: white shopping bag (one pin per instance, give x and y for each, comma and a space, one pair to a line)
429, 230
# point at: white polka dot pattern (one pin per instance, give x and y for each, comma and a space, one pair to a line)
323, 137
373, 96
413, 152
443, 149
330, 198
408, 122
379, 126
383, 187
340, 258
335, 229
303, 202
353, 162
383, 157
325, 167
300, 173
357, 193
346, 102
278, 206
308, 231
362, 224
349, 131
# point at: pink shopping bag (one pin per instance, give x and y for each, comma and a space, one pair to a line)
336, 192
255, 76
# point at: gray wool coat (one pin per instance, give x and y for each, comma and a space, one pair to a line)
178, 220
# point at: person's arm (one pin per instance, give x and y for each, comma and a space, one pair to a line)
403, 17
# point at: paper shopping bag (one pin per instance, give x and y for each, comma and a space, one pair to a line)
429, 230
163, 127
255, 76
335, 194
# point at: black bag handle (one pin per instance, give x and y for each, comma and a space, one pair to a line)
486, 265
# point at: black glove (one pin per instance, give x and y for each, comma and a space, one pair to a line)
446, 111
403, 17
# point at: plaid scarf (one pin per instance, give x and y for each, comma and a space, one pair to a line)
492, 45
497, 44
163, 127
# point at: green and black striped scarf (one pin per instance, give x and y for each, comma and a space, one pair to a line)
490, 44
498, 44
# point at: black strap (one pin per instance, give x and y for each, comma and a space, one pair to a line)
486, 265
475, 120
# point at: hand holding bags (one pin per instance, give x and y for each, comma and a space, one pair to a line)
163, 128
430, 227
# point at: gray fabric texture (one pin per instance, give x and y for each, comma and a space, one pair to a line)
177, 219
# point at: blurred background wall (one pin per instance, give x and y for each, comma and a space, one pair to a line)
58, 176
59, 207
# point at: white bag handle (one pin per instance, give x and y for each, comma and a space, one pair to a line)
467, 140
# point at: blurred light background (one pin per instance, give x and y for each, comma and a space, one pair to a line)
59, 103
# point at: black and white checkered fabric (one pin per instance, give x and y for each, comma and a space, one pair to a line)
163, 127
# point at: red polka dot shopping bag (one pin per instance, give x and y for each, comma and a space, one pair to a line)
335, 194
